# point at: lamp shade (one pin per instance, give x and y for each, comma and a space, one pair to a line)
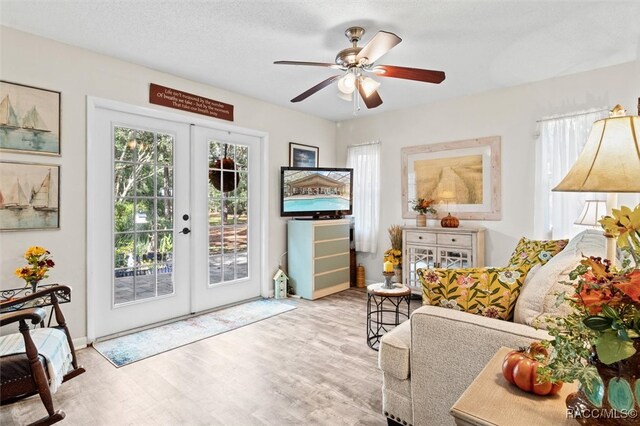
610, 161
591, 213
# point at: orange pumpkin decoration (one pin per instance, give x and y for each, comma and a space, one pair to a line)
450, 221
520, 367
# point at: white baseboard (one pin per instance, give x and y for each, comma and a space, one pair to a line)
80, 342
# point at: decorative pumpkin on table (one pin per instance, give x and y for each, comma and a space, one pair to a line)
520, 367
450, 221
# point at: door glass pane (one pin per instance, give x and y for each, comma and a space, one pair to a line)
228, 213
143, 215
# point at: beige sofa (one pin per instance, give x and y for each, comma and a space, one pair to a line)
428, 361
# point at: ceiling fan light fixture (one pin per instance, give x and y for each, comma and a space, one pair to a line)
345, 96
369, 85
347, 83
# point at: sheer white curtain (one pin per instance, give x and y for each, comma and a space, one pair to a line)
365, 161
560, 143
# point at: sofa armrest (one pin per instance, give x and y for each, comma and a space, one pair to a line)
448, 350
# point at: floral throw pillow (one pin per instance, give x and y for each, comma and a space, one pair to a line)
491, 292
536, 251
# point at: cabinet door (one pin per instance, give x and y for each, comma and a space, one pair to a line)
419, 257
454, 258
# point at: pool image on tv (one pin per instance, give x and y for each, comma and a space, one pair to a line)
322, 190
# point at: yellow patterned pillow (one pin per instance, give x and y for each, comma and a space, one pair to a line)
491, 292
535, 251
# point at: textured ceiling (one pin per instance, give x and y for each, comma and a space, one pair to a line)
481, 45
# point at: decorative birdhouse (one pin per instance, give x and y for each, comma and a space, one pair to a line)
280, 280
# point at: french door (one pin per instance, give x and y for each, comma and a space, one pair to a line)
226, 210
173, 228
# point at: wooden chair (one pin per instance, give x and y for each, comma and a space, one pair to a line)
25, 374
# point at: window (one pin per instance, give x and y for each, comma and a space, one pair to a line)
365, 162
560, 143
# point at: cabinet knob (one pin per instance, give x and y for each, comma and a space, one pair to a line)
420, 237
453, 240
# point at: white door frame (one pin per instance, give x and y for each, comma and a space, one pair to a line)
93, 177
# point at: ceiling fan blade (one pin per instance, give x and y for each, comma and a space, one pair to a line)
417, 74
314, 89
373, 100
380, 44
313, 64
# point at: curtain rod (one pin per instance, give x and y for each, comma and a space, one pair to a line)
363, 144
572, 115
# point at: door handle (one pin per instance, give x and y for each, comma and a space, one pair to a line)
185, 231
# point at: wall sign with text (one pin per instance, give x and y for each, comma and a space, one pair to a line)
172, 98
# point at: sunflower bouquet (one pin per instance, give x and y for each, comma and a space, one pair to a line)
38, 264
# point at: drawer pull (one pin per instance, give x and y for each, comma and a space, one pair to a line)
420, 237
453, 240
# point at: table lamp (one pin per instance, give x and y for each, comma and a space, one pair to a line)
609, 162
592, 212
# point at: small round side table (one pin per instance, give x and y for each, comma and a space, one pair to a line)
385, 310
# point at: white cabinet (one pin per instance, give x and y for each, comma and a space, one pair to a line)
318, 257
436, 247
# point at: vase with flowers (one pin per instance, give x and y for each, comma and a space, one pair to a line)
38, 263
422, 206
598, 344
394, 254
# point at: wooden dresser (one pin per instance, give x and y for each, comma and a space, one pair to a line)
437, 247
318, 256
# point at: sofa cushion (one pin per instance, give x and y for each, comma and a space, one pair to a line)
491, 292
538, 297
535, 251
395, 347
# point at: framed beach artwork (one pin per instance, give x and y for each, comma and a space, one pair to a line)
303, 155
29, 119
462, 177
29, 196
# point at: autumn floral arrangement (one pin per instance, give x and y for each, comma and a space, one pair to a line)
605, 324
38, 264
423, 206
394, 254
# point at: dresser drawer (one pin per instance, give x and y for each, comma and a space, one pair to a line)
327, 248
420, 237
331, 279
331, 263
330, 232
454, 240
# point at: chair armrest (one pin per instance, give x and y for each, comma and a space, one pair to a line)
449, 348
35, 315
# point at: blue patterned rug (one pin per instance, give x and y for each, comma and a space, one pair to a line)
133, 347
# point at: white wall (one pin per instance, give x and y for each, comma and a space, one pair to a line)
510, 113
78, 73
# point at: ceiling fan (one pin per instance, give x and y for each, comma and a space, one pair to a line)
357, 62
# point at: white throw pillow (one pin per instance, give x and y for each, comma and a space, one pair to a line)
539, 294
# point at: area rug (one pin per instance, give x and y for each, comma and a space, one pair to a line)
133, 347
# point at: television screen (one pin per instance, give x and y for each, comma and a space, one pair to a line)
310, 191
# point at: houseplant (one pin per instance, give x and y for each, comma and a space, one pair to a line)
599, 342
38, 263
394, 254
422, 206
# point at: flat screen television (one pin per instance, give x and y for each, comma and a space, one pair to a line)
316, 192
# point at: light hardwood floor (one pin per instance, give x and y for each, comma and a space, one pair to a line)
307, 366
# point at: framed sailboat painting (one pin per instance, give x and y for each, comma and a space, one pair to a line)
29, 196
29, 119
